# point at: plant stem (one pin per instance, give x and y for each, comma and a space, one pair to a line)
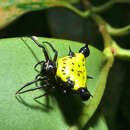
118, 31
106, 6
89, 110
121, 53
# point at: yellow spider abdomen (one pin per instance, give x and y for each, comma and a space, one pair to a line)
73, 68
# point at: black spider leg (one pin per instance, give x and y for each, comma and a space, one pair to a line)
71, 54
32, 89
38, 87
29, 83
54, 50
38, 75
35, 66
45, 52
54, 59
89, 77
41, 46
47, 86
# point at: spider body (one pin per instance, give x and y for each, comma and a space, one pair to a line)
69, 74
73, 69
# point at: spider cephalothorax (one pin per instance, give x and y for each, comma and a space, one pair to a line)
69, 74
48, 68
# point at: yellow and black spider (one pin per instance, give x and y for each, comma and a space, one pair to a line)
69, 74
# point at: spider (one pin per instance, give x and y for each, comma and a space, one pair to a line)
69, 74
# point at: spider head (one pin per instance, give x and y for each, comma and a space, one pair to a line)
84, 93
49, 68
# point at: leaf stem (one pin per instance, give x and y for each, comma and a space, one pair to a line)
118, 31
103, 7
93, 10
89, 110
120, 52
84, 14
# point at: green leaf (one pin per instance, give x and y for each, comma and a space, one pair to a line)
56, 111
12, 9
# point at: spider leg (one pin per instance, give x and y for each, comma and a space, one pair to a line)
54, 50
37, 76
89, 77
37, 65
43, 48
32, 89
45, 94
42, 78
29, 83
